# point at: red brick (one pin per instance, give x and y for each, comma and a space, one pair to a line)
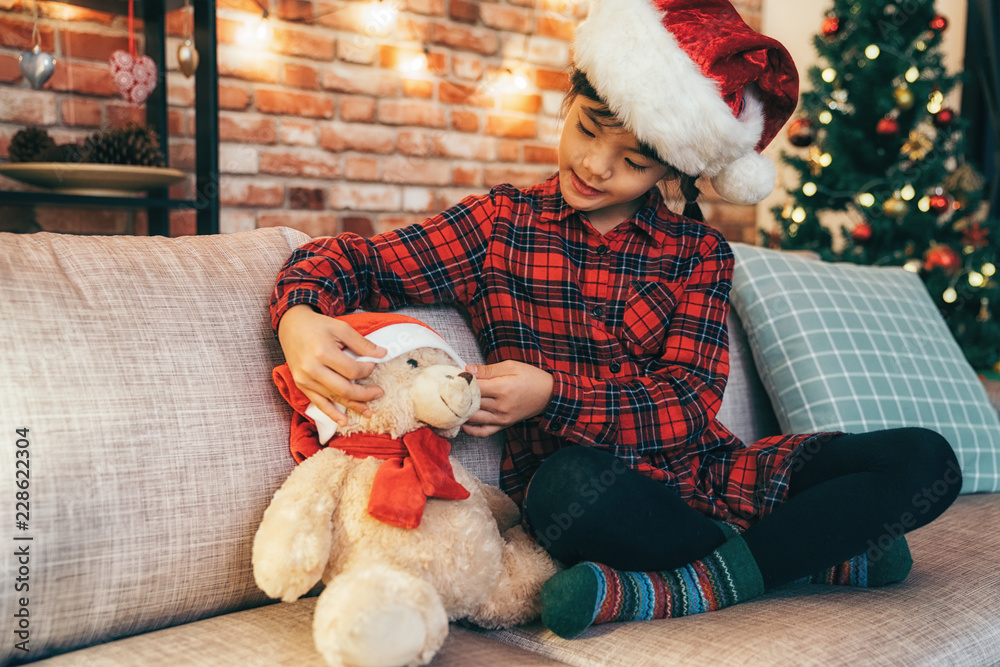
509, 151
465, 147
261, 68
401, 169
357, 224
244, 191
362, 138
458, 93
177, 122
301, 76
505, 18
81, 111
365, 197
392, 112
10, 72
400, 58
293, 132
295, 10
314, 164
416, 143
553, 27
83, 220
17, 34
467, 67
120, 112
311, 199
520, 102
551, 79
180, 90
247, 129
463, 11
464, 121
517, 177
293, 104
233, 97
29, 107
308, 44
361, 80
419, 200
238, 159
418, 88
511, 126
426, 7
548, 51
361, 169
310, 222
485, 42
358, 49
389, 223
67, 12
82, 78
359, 109
541, 155
468, 175
179, 23
89, 45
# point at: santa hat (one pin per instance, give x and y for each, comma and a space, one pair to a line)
694, 81
398, 334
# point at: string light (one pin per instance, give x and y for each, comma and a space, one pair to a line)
380, 18
798, 214
907, 193
872, 51
809, 189
950, 295
924, 204
912, 74
825, 117
913, 265
866, 199
976, 279
989, 270
829, 75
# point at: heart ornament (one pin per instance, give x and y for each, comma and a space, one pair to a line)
135, 77
36, 66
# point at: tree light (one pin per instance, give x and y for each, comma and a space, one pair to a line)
825, 117
913, 265
907, 193
825, 159
866, 199
829, 75
912, 74
950, 295
872, 51
809, 189
989, 270
924, 204
976, 279
799, 214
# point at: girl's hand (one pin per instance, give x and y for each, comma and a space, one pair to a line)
512, 391
314, 347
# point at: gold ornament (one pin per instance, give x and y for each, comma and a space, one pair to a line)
917, 146
963, 179
895, 208
904, 98
187, 57
815, 161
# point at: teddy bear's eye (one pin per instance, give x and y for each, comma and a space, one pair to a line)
412, 362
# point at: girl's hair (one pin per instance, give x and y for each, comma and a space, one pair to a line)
580, 85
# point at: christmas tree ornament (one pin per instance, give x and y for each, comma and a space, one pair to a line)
862, 232
830, 26
801, 132
940, 256
917, 146
984, 310
895, 207
887, 127
944, 117
975, 236
963, 179
938, 203
36, 65
904, 98
939, 23
187, 55
135, 76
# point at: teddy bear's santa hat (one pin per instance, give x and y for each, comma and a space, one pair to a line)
694, 81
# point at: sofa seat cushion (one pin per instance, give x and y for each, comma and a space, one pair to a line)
277, 634
946, 613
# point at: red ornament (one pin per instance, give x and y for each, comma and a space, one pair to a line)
944, 118
938, 204
862, 232
975, 236
830, 26
801, 132
887, 127
939, 23
943, 257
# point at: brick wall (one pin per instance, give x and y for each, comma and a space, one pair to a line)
339, 118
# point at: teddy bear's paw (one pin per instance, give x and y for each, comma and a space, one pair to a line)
379, 617
290, 551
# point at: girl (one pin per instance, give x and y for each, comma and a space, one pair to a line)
602, 318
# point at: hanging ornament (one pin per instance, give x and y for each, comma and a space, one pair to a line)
964, 179
903, 97
917, 146
862, 232
975, 236
187, 55
801, 132
939, 203
134, 75
895, 207
830, 26
984, 310
36, 65
940, 256
944, 117
887, 127
939, 23
817, 160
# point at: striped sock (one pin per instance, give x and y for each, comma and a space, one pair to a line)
870, 569
590, 593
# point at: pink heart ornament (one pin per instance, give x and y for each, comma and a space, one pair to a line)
135, 77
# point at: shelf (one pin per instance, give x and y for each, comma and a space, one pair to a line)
63, 199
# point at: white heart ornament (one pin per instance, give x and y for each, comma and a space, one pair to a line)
36, 66
135, 77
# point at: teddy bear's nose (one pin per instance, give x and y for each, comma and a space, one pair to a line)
466, 376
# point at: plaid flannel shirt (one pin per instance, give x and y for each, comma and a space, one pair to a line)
631, 325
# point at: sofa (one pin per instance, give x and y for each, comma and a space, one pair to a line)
142, 439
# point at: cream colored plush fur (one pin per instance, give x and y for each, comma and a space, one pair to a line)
390, 592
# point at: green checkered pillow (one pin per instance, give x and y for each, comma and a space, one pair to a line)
856, 348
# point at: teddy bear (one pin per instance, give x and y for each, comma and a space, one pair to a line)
404, 538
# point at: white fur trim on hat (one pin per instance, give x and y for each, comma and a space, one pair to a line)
661, 95
400, 338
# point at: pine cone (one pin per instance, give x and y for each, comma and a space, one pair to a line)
61, 153
131, 144
26, 144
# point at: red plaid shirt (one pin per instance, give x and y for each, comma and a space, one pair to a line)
631, 325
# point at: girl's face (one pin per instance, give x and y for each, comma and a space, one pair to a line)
601, 170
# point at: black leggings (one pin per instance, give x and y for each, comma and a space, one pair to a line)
849, 495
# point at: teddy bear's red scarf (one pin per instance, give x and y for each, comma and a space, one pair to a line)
414, 468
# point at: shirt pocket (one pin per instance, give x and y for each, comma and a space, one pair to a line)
648, 309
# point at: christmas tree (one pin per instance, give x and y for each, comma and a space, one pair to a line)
881, 175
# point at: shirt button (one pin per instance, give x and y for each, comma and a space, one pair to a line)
598, 311
602, 249
615, 367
